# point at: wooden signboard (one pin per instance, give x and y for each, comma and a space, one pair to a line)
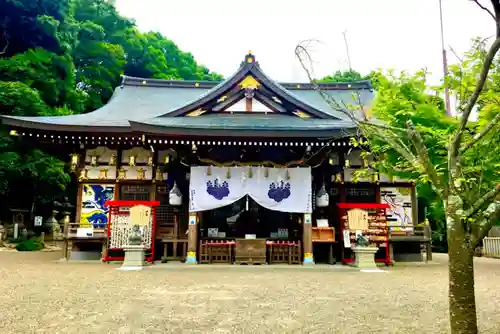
358, 219
140, 215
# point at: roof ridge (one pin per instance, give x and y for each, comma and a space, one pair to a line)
204, 84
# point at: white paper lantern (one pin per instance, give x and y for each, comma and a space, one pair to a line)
175, 196
322, 198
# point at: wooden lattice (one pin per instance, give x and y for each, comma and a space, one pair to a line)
216, 251
284, 251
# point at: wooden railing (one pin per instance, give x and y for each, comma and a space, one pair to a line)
491, 247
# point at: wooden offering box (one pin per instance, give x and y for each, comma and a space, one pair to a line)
250, 251
323, 234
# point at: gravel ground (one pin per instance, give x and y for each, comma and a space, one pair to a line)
41, 296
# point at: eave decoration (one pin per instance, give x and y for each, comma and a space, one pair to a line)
249, 82
75, 161
83, 174
122, 174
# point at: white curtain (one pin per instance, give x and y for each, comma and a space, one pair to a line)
283, 189
212, 190
279, 189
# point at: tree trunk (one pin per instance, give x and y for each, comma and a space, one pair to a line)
463, 319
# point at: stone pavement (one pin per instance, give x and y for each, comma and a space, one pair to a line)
40, 295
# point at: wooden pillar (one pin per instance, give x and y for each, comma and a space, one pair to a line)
307, 239
192, 238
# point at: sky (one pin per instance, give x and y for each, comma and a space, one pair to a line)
387, 34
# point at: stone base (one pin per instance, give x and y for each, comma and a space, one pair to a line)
134, 256
365, 257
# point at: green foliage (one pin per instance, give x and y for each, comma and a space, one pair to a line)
401, 97
30, 245
345, 76
60, 57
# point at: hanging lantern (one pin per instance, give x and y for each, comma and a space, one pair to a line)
93, 161
75, 159
150, 161
175, 196
112, 159
228, 173
209, 170
167, 159
250, 173
330, 161
193, 148
347, 163
322, 197
131, 161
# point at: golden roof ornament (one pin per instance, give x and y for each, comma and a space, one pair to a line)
158, 175
131, 161
122, 174
103, 174
75, 160
141, 173
112, 159
83, 174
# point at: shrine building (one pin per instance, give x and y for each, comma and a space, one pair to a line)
246, 170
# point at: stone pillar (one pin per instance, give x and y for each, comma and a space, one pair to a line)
192, 238
307, 239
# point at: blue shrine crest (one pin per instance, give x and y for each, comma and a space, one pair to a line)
217, 189
278, 191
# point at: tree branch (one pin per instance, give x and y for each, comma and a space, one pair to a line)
477, 138
481, 228
490, 55
424, 160
485, 9
484, 200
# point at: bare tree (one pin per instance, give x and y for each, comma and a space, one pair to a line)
467, 221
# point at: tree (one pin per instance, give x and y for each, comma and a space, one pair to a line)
345, 76
60, 57
458, 158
